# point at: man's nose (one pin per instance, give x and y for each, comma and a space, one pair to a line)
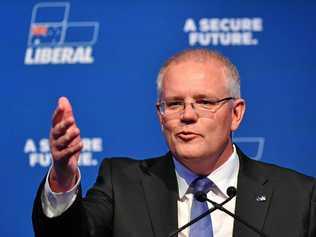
189, 114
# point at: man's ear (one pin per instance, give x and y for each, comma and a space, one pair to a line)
239, 109
160, 118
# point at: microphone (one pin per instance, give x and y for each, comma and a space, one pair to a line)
201, 196
231, 192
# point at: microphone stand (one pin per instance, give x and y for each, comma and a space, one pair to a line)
219, 206
202, 197
200, 216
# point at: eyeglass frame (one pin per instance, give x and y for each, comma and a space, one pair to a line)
193, 105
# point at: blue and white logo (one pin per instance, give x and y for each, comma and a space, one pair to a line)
53, 39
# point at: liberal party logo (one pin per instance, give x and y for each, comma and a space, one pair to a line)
55, 40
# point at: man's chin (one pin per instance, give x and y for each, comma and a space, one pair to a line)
189, 154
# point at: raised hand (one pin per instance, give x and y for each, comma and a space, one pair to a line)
65, 145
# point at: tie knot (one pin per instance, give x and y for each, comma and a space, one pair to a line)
201, 184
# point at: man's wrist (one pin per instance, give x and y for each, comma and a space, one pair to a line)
55, 203
59, 183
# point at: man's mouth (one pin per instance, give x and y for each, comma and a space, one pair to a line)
187, 135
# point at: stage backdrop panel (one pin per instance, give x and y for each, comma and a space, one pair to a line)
105, 55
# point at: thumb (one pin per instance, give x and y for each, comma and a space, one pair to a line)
65, 105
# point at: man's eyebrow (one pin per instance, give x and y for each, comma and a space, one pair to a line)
204, 96
174, 98
195, 97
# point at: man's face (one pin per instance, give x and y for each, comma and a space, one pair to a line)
190, 136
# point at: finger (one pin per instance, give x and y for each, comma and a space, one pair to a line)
67, 152
64, 103
61, 128
69, 139
57, 116
75, 140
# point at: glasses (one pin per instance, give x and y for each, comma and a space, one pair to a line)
201, 106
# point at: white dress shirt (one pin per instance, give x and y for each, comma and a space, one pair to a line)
223, 177
54, 204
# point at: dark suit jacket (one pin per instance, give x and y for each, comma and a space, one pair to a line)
139, 199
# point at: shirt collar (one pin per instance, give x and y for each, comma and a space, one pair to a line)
223, 177
184, 177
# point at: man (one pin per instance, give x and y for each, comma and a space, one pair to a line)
199, 106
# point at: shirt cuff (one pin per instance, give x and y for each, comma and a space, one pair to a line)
55, 204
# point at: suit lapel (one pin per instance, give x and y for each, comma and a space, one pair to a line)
161, 193
253, 197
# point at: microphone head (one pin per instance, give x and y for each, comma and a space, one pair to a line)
231, 191
200, 196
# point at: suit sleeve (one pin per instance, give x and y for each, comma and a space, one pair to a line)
312, 220
86, 217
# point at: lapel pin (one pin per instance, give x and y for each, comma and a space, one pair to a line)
261, 198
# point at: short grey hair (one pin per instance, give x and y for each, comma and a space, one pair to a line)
203, 55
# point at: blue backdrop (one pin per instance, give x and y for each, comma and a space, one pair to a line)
105, 55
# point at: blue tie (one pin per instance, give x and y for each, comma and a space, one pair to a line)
203, 227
